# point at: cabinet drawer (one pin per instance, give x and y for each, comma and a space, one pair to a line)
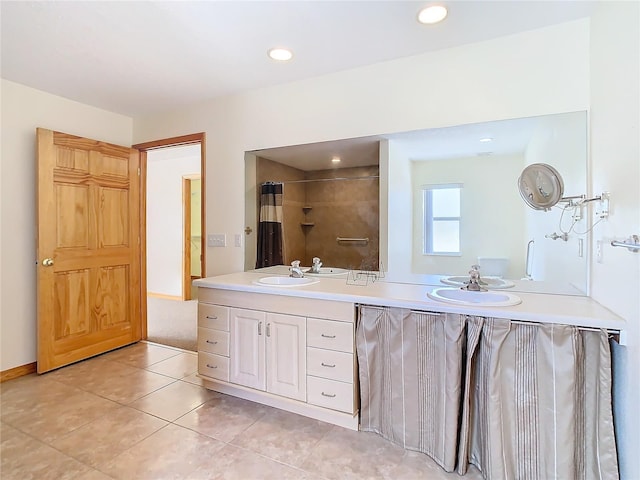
330, 394
329, 334
330, 364
213, 316
213, 341
213, 366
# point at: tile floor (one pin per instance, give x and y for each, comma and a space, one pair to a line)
141, 413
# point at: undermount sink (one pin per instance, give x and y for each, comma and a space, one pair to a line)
490, 282
281, 281
328, 271
461, 296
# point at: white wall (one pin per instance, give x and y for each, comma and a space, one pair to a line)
563, 145
491, 214
615, 161
23, 110
165, 227
534, 73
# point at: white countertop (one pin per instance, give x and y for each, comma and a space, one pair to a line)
535, 307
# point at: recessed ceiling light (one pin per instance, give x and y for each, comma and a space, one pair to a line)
486, 139
335, 160
280, 54
432, 14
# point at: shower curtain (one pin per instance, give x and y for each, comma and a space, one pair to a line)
522, 401
270, 226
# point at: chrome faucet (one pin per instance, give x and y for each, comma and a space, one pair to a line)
474, 283
315, 268
296, 271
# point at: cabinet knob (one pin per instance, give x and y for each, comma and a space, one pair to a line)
212, 343
211, 366
328, 395
327, 336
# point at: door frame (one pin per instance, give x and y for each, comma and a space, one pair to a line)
144, 148
187, 278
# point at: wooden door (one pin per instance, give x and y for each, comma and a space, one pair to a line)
88, 220
247, 349
287, 355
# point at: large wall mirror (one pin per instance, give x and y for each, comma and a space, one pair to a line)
448, 199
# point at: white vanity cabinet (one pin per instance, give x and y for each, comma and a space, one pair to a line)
213, 341
292, 353
268, 352
331, 365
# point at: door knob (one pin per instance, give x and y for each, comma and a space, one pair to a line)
47, 262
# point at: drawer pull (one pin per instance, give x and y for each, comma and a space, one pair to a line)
211, 366
328, 395
214, 317
212, 343
327, 336
327, 365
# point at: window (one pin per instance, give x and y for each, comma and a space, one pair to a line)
441, 206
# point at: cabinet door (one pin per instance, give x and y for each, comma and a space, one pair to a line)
286, 356
247, 349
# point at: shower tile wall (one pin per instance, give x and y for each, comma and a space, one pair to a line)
346, 209
341, 208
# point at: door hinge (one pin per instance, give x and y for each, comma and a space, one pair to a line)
138, 171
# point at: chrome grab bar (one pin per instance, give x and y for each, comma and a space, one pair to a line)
350, 239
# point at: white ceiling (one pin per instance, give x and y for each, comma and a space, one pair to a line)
142, 57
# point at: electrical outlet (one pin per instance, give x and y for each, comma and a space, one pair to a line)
599, 251
217, 240
602, 208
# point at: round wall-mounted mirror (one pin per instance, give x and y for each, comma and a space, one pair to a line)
541, 186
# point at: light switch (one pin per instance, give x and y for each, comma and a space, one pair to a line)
237, 240
217, 240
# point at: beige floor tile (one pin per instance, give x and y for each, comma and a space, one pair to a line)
173, 401
223, 417
180, 366
418, 465
93, 475
22, 395
61, 413
141, 354
347, 454
103, 439
172, 452
193, 378
234, 463
283, 436
128, 388
23, 457
91, 372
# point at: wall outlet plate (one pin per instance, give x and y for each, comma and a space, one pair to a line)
602, 209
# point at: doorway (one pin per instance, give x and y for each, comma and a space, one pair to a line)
173, 179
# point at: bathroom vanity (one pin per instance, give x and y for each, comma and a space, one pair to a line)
293, 347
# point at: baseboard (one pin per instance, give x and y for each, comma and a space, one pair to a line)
16, 372
165, 296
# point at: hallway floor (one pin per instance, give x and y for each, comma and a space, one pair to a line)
140, 412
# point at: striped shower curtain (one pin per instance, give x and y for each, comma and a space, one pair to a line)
270, 241
517, 401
